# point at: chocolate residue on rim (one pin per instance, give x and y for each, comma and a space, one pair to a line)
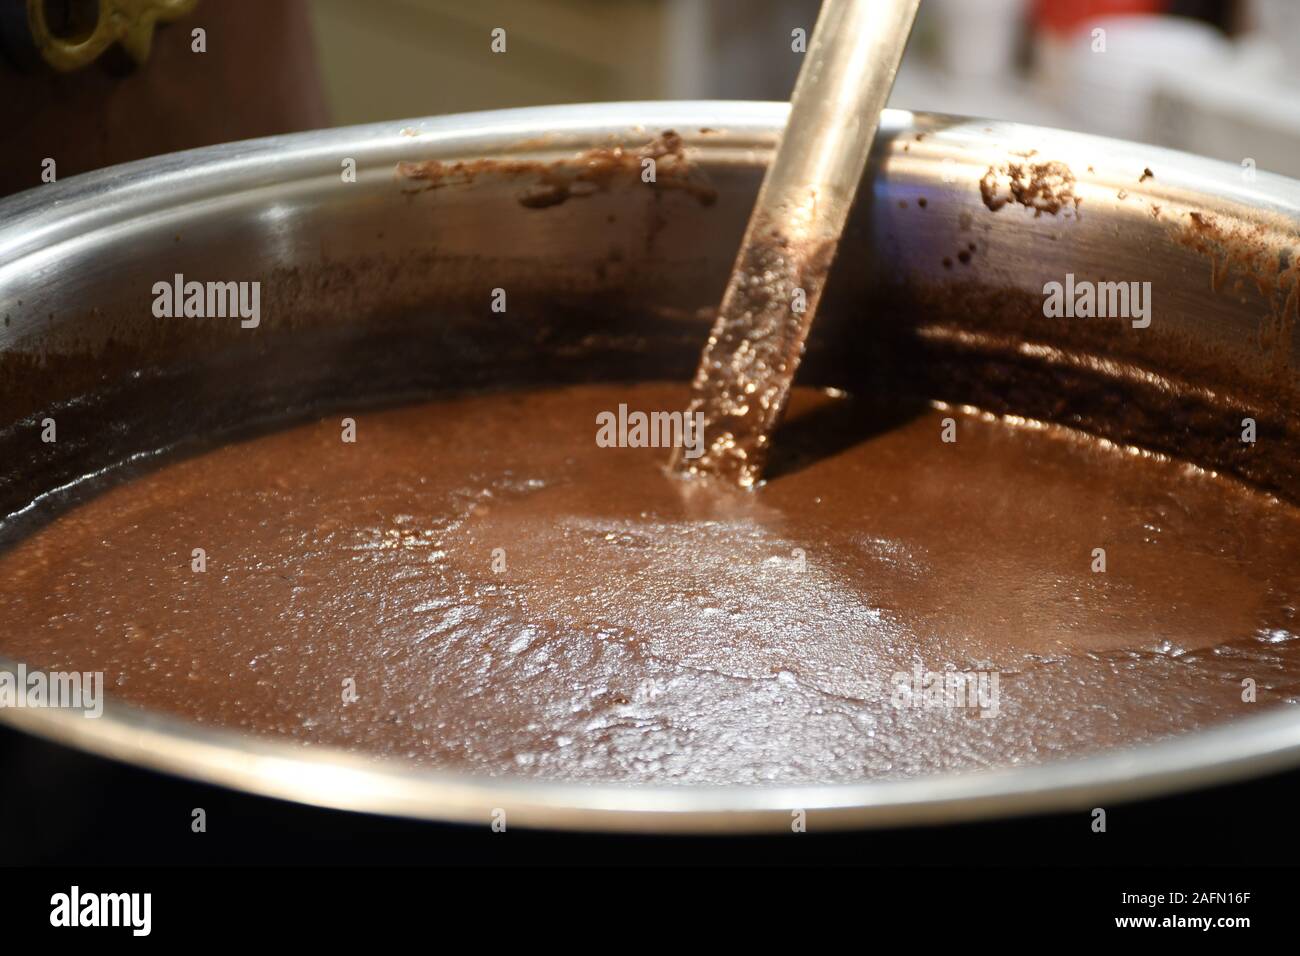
1043, 187
1229, 252
591, 171
1240, 254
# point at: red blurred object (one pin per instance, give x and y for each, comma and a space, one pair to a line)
1065, 16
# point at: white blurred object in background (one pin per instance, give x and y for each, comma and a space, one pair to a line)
1111, 70
979, 37
1248, 110
1277, 24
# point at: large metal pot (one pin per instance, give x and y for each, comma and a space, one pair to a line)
948, 252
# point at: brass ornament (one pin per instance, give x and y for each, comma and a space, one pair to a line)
128, 22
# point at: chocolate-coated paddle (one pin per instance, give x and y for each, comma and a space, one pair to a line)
749, 362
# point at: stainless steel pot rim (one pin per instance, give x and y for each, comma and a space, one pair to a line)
71, 208
328, 777
35, 223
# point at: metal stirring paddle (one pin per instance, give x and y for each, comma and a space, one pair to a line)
749, 362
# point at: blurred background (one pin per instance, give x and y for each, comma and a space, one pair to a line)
1216, 77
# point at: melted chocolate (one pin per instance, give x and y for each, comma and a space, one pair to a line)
510, 598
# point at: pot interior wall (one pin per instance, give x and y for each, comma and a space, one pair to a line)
384, 287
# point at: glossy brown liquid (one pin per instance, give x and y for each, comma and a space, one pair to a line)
511, 598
